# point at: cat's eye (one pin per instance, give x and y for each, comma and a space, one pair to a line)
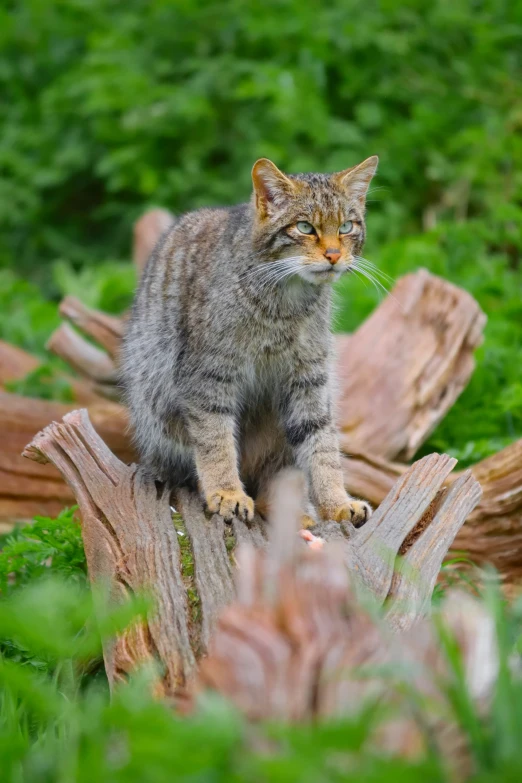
305, 227
346, 228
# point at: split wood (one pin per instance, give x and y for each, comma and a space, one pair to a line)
131, 541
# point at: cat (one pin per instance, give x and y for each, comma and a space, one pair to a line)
226, 364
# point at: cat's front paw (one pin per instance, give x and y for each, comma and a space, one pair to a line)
355, 511
231, 503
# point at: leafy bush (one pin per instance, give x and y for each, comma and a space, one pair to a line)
109, 106
58, 724
31, 551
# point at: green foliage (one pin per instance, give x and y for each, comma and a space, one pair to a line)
109, 106
109, 288
26, 317
46, 382
46, 544
57, 723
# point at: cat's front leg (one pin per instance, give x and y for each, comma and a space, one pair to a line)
212, 434
311, 432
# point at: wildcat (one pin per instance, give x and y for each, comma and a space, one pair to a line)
227, 359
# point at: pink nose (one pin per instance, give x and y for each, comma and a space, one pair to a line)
333, 255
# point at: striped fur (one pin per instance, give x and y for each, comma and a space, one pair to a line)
227, 360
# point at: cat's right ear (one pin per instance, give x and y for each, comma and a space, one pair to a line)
271, 187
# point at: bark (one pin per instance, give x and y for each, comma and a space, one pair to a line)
493, 531
403, 369
106, 330
16, 363
28, 489
130, 540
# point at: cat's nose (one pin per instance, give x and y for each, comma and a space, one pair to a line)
333, 254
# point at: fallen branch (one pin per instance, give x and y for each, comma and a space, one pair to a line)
104, 329
28, 489
16, 364
406, 365
493, 531
83, 356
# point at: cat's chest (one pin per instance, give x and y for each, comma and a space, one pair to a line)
266, 339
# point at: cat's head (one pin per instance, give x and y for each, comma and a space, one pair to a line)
311, 225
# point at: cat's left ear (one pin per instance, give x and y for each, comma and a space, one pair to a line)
357, 180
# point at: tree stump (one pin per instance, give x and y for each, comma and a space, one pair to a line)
130, 540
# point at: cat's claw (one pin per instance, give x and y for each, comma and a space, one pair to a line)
230, 504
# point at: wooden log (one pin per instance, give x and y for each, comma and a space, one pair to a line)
130, 540
406, 365
296, 645
83, 356
15, 364
28, 489
291, 646
104, 329
493, 531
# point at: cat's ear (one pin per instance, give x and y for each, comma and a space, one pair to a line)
271, 187
356, 180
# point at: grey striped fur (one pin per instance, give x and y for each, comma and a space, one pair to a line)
227, 360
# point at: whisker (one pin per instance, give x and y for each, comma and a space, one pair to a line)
370, 265
271, 272
359, 277
274, 276
376, 283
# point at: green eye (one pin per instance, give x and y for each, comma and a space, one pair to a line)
305, 227
346, 228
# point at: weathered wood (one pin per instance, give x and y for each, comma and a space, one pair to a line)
28, 489
83, 356
296, 645
213, 570
418, 520
15, 364
130, 541
493, 531
415, 577
104, 329
405, 366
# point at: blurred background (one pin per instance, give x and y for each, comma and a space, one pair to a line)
109, 108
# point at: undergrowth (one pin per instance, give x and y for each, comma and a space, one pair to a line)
58, 723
